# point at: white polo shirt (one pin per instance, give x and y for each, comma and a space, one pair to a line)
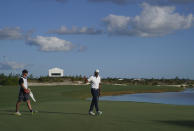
95, 81
23, 81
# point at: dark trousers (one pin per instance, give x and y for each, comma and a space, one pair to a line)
95, 97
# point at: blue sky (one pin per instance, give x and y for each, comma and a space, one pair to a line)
123, 38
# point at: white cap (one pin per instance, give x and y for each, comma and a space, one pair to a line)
97, 71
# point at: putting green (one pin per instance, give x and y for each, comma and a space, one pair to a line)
65, 108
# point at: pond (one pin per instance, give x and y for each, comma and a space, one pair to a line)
185, 97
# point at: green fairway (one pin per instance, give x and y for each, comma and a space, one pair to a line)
65, 108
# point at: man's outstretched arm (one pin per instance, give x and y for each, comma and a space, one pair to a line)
85, 79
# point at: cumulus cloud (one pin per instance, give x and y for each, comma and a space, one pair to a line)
11, 33
117, 24
153, 21
161, 2
75, 30
11, 65
50, 43
170, 1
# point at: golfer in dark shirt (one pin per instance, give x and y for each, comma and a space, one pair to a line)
23, 93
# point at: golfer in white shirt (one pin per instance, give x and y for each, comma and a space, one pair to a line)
95, 91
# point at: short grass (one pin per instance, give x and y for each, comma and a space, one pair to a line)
65, 108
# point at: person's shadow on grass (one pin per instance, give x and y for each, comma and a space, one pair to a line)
11, 112
187, 123
62, 113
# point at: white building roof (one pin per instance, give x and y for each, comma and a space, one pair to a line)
55, 69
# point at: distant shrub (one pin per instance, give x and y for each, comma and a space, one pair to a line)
8, 80
13, 80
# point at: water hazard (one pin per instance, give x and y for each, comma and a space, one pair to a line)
185, 97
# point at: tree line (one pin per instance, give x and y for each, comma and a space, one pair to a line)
12, 79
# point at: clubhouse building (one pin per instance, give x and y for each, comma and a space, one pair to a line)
56, 72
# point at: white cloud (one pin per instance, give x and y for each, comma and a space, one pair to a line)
10, 65
75, 30
50, 43
116, 24
156, 20
153, 21
159, 2
10, 33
